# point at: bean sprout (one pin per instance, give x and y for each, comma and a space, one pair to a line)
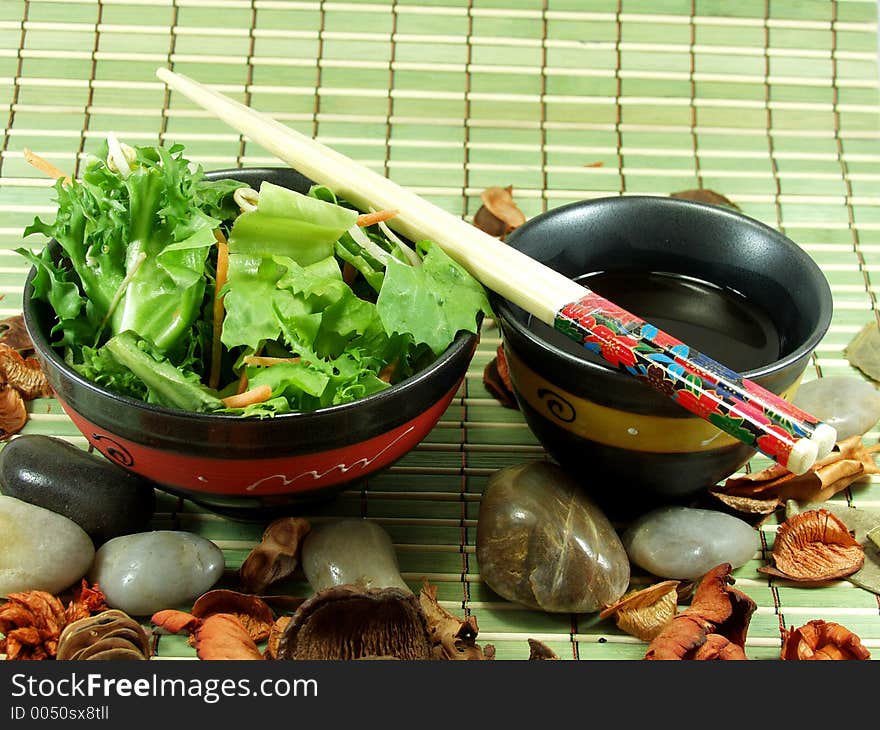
246, 199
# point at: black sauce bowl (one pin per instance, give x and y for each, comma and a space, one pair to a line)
633, 447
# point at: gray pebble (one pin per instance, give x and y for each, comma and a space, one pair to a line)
848, 403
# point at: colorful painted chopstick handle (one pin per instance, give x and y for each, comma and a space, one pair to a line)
696, 382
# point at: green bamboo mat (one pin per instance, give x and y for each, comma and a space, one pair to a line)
774, 104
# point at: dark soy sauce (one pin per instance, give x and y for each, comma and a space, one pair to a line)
719, 322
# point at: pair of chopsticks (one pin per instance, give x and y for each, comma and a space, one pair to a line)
734, 404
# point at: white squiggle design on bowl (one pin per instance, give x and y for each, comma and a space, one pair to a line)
343, 468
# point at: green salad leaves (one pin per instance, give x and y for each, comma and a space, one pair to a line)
317, 310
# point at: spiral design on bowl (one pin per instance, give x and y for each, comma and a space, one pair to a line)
557, 405
112, 449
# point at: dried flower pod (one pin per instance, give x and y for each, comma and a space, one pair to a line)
716, 608
350, 622
451, 637
644, 613
499, 214
111, 634
818, 640
31, 623
277, 555
252, 611
814, 546
717, 646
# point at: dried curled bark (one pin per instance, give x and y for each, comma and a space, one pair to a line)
814, 546
277, 555
499, 214
252, 611
451, 637
109, 635
646, 612
817, 640
351, 622
717, 610
31, 623
763, 492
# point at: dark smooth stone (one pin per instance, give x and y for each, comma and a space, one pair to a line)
103, 499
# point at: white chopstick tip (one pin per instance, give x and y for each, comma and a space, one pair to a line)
802, 457
825, 437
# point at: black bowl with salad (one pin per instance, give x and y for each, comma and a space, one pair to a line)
241, 337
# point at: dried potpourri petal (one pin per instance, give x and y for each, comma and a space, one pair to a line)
644, 613
87, 600
702, 195
222, 636
13, 412
496, 378
31, 622
451, 637
219, 636
25, 375
252, 611
499, 214
539, 651
817, 640
277, 555
716, 609
13, 333
814, 546
719, 647
766, 490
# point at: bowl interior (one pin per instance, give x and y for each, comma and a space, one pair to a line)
669, 235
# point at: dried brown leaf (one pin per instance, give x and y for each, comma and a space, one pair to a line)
814, 546
818, 640
645, 613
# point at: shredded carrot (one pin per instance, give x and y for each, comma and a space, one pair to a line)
242, 382
220, 281
44, 165
249, 397
268, 361
368, 219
